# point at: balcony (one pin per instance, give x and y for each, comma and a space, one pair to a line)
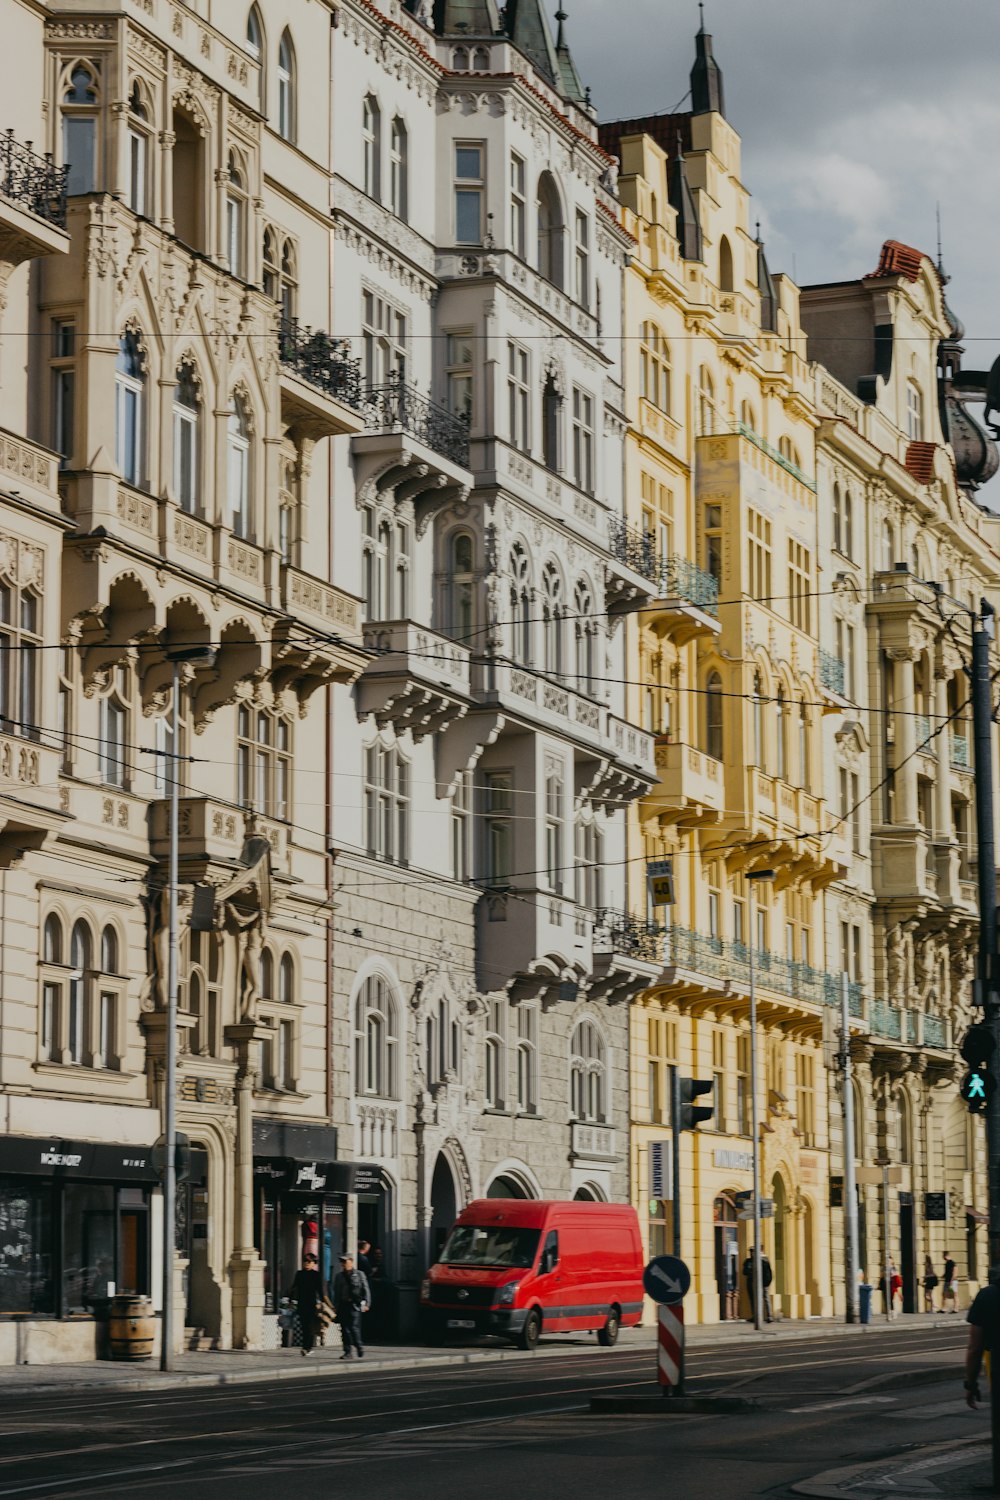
691, 786
887, 1021
632, 567
775, 456
628, 955
959, 755
686, 602
32, 203
411, 449
400, 407
320, 382
831, 673
211, 832
417, 680
719, 966
780, 823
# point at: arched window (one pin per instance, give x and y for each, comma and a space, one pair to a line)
286, 980
520, 605
481, 60
109, 951
236, 217
848, 547
714, 718
706, 404
52, 940
654, 382
585, 637
203, 998
267, 975
780, 726
758, 721
286, 88
550, 230
887, 547
376, 1040
588, 1075
130, 383
79, 983
748, 417
905, 1129
187, 449
280, 274
460, 60
188, 171
495, 1089
553, 611
371, 136
461, 616
551, 405
398, 168
725, 265
138, 151
914, 412
804, 767
239, 475
838, 519
255, 47
80, 105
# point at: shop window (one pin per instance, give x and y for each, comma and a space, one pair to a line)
27, 1244
88, 1245
376, 1040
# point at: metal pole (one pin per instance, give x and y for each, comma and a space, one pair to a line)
170, 1080
850, 1187
885, 1242
758, 1263
675, 1146
982, 729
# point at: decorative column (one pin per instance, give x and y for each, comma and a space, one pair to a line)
905, 727
246, 1269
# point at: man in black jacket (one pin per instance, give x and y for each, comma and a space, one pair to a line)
307, 1292
351, 1297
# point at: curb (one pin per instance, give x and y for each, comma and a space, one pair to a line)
665, 1406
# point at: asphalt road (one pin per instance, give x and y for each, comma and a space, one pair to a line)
521, 1429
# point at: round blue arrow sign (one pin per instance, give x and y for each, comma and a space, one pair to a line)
667, 1279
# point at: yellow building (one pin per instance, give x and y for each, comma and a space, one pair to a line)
721, 493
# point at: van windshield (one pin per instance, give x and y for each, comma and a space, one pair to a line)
490, 1245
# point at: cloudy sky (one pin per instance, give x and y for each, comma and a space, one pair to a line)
857, 117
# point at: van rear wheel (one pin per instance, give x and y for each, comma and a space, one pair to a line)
532, 1330
608, 1335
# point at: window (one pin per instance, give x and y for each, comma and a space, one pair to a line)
371, 139
63, 387
255, 35
459, 373
79, 130
805, 1097
115, 730
110, 1003
387, 803
138, 151
588, 870
286, 88
238, 469
520, 605
799, 585
518, 205
20, 655
498, 795
662, 1059
65, 711
551, 404
584, 638
460, 60
780, 733
719, 1079
914, 413
887, 547
582, 259
460, 615
713, 541
548, 208
583, 440
79, 993
189, 196
470, 189
654, 368
553, 616
187, 456
280, 278
461, 828
714, 716
398, 168
804, 741
555, 791
385, 564
588, 1075
53, 991
264, 761
376, 1040
130, 381
706, 404
759, 541
527, 1058
838, 519
757, 705
236, 218
496, 1054
725, 266
519, 397
744, 1107
203, 996
383, 337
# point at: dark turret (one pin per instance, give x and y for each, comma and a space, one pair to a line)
707, 96
682, 200
767, 289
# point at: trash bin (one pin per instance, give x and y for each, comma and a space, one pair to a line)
865, 1301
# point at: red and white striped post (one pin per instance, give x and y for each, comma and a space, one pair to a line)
670, 1348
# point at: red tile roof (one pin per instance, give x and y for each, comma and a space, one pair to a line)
900, 260
920, 461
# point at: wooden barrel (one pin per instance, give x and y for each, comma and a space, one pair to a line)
131, 1327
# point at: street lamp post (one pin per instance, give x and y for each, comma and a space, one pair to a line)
757, 1265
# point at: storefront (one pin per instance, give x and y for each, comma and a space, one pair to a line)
74, 1225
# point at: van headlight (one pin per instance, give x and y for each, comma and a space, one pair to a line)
425, 1289
507, 1293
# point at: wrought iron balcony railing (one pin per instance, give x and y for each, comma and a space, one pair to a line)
681, 578
886, 1021
721, 959
400, 405
34, 182
633, 547
831, 672
625, 933
775, 454
935, 1032
323, 361
960, 751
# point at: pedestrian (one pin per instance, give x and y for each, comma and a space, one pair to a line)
307, 1293
949, 1290
351, 1297
895, 1285
983, 1319
364, 1258
766, 1277
929, 1283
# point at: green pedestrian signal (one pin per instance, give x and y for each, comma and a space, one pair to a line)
977, 1089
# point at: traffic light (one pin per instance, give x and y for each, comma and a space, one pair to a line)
692, 1114
979, 1084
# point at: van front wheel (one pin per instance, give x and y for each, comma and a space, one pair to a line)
532, 1330
608, 1335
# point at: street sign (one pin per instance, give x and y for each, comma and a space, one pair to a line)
936, 1207
766, 1208
660, 881
873, 1175
661, 1184
667, 1280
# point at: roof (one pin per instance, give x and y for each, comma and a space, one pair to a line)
919, 459
664, 130
898, 259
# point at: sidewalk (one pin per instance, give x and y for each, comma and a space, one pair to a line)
240, 1366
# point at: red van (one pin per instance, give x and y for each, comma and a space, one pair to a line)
517, 1267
